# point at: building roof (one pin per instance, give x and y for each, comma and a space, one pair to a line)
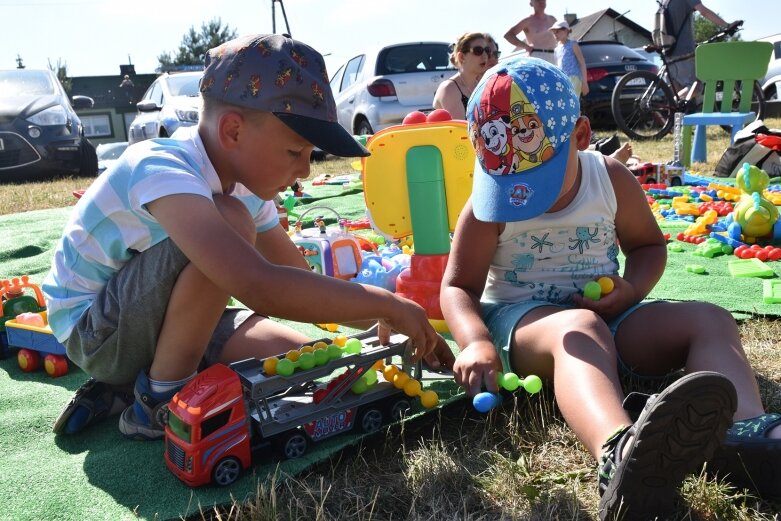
582, 26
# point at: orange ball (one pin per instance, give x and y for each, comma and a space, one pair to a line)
606, 283
429, 399
270, 365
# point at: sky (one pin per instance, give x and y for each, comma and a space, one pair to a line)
93, 37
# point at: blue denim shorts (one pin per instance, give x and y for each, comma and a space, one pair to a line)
502, 319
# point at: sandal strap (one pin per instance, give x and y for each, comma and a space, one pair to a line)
611, 456
752, 428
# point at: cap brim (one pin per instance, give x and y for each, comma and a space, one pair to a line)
328, 136
520, 196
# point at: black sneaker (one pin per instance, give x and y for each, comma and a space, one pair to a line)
749, 459
93, 402
677, 431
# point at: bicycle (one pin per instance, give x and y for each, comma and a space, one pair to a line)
644, 103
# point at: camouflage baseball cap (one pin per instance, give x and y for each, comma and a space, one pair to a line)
274, 73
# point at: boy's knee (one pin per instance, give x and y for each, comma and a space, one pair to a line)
237, 215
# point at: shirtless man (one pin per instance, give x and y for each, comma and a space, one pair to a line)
539, 42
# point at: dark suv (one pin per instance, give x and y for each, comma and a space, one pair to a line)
40, 133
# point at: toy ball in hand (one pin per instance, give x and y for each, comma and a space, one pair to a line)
485, 401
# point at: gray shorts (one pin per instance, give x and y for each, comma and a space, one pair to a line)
502, 319
682, 73
116, 337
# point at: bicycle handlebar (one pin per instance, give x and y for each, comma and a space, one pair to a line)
730, 30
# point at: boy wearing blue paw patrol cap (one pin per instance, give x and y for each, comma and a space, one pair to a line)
158, 244
546, 217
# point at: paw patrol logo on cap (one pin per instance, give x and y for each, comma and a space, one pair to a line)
521, 117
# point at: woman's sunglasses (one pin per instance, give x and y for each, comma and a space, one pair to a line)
478, 51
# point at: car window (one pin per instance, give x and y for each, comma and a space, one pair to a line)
412, 58
184, 85
336, 80
608, 53
351, 71
156, 93
17, 82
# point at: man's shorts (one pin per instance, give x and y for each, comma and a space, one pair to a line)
502, 319
682, 73
117, 336
544, 54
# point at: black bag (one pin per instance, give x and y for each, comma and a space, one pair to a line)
756, 145
664, 35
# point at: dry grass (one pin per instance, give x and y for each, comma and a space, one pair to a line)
519, 462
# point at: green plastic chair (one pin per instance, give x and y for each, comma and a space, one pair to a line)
727, 62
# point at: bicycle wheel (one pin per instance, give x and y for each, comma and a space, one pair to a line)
643, 105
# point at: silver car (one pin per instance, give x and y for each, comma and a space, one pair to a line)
172, 101
771, 83
377, 88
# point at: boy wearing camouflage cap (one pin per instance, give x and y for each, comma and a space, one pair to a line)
547, 217
159, 243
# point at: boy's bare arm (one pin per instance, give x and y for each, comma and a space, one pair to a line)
276, 246
474, 243
223, 256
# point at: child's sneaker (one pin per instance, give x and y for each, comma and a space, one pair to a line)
749, 459
145, 419
93, 402
677, 431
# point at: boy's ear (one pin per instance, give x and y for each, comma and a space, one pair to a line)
582, 133
228, 126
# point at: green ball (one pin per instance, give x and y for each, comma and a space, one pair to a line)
532, 384
509, 381
360, 386
592, 290
306, 361
321, 356
353, 346
285, 367
371, 377
334, 351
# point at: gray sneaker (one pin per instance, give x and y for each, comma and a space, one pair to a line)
145, 419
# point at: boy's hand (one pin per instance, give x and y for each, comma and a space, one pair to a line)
410, 319
478, 363
614, 303
442, 357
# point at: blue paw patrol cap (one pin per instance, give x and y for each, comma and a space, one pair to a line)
274, 73
521, 116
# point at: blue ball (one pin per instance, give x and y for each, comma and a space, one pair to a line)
484, 402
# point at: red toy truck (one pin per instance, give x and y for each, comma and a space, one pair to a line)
225, 414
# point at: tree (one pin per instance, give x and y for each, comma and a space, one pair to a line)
61, 70
704, 29
194, 45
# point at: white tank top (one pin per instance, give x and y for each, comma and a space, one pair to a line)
551, 257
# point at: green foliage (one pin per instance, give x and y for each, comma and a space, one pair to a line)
195, 44
704, 29
61, 70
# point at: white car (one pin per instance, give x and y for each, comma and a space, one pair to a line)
771, 83
377, 88
172, 101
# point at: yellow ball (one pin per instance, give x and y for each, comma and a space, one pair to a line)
412, 388
331, 327
319, 345
389, 372
270, 365
379, 365
340, 340
606, 283
400, 380
293, 355
429, 399
307, 349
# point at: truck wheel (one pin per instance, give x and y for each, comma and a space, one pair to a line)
29, 360
399, 409
55, 365
226, 471
370, 420
88, 159
294, 445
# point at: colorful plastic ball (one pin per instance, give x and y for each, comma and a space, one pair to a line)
306, 361
389, 372
379, 365
270, 365
485, 401
320, 345
413, 118
340, 340
437, 115
353, 346
400, 380
285, 367
412, 388
331, 328
360, 386
293, 355
371, 377
306, 349
606, 284
532, 384
334, 352
592, 290
429, 399
321, 356
509, 381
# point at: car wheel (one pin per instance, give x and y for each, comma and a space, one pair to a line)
88, 161
399, 409
362, 127
370, 420
163, 132
294, 445
226, 472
